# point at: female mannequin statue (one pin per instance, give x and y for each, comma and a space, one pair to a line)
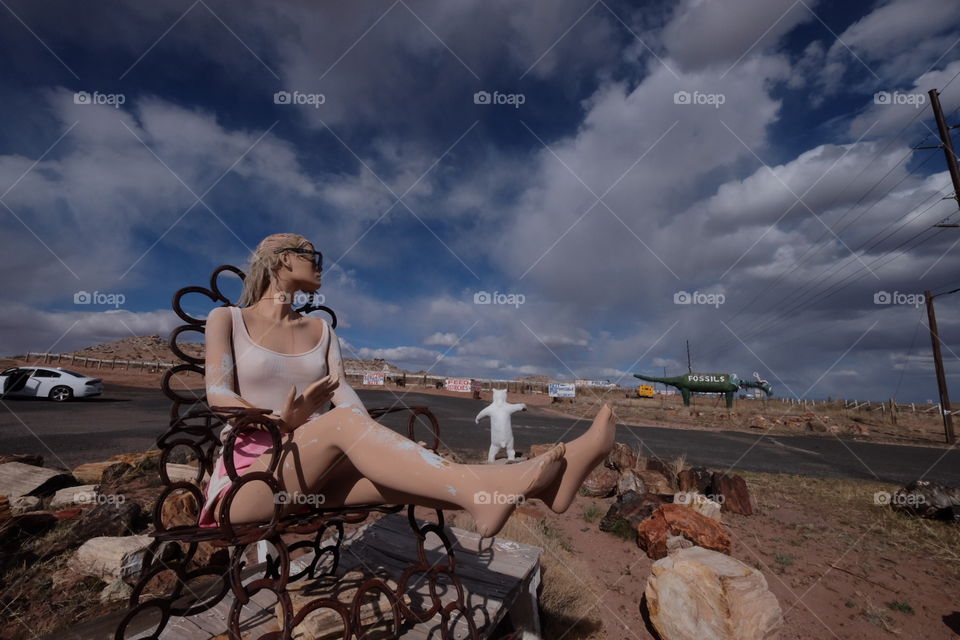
262, 353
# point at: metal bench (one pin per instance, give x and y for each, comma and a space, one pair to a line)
196, 583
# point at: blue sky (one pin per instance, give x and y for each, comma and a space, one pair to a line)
741, 149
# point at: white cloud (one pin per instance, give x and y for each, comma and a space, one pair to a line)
439, 339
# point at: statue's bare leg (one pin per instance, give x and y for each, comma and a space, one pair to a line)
402, 471
582, 455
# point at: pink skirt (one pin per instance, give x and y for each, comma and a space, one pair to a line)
247, 448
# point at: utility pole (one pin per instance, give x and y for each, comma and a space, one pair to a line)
946, 143
941, 376
689, 368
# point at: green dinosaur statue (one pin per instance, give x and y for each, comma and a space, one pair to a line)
725, 383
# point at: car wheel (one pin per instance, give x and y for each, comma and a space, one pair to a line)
61, 394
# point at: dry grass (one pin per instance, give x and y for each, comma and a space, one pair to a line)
566, 608
889, 530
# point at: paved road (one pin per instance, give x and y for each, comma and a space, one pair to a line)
127, 419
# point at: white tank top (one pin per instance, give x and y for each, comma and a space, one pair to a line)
264, 376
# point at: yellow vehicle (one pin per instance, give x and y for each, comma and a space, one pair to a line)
645, 391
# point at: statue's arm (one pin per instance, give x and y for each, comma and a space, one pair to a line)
344, 394
218, 362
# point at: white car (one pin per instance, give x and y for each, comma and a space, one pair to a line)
55, 383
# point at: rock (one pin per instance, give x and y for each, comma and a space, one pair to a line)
696, 479
34, 459
928, 500
759, 422
631, 507
30, 523
6, 512
93, 472
375, 614
179, 509
23, 504
816, 424
68, 514
732, 493
697, 594
531, 511
116, 591
538, 449
857, 429
181, 472
678, 520
630, 481
652, 464
143, 459
114, 472
601, 483
111, 558
104, 520
621, 457
70, 496
656, 482
699, 503
19, 479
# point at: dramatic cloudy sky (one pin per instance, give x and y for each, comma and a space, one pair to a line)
756, 153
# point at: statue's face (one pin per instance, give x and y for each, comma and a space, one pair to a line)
304, 273
499, 394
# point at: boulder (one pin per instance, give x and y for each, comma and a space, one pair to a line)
696, 479
759, 422
928, 500
656, 482
632, 507
601, 483
116, 591
539, 449
698, 594
630, 481
19, 479
179, 509
71, 496
6, 511
34, 459
732, 493
144, 459
699, 503
104, 520
678, 520
621, 457
181, 472
816, 424
653, 464
99, 472
23, 504
111, 558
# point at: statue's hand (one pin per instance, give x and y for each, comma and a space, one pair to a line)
297, 409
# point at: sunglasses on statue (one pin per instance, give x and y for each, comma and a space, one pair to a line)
317, 257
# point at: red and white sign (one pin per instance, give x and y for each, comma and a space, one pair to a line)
461, 385
375, 379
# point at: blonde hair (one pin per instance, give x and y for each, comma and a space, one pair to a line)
264, 263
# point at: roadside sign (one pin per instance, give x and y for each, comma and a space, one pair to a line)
563, 390
375, 379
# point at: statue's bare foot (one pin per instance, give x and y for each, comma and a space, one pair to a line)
582, 456
492, 506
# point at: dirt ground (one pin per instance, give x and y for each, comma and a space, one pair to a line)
840, 566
